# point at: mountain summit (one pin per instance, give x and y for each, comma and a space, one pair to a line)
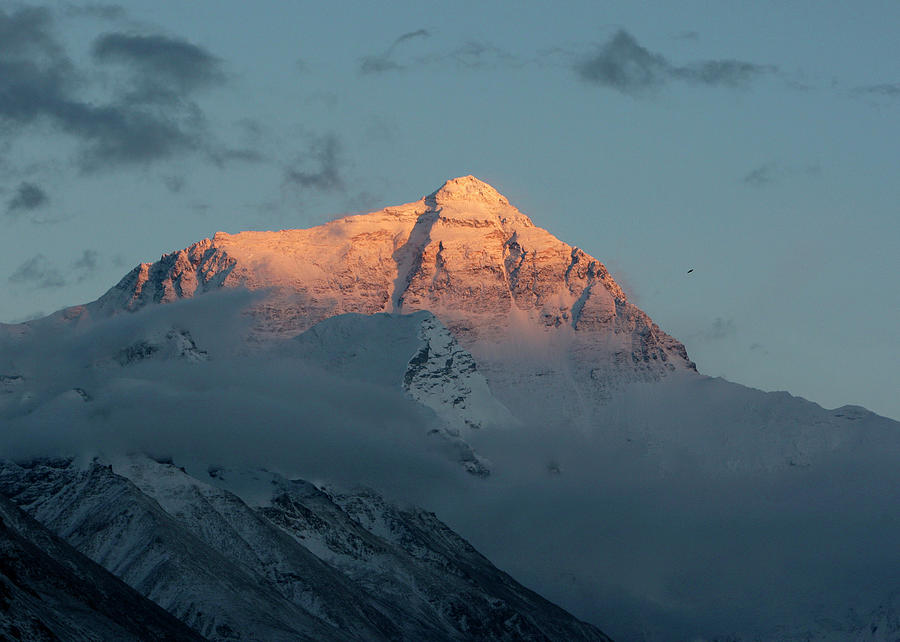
462, 252
467, 189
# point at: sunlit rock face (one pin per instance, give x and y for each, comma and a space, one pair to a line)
464, 253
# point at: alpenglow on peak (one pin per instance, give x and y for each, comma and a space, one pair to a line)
463, 253
467, 188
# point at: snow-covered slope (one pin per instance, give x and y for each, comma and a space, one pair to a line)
108, 519
49, 591
234, 572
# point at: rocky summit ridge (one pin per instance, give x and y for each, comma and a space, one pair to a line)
462, 252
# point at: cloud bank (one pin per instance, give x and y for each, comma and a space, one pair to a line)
650, 523
153, 118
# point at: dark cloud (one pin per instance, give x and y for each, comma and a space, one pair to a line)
164, 68
119, 134
378, 65
418, 33
687, 35
760, 176
625, 65
325, 157
37, 272
27, 31
40, 85
28, 197
384, 62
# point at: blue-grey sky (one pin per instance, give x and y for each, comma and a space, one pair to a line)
755, 143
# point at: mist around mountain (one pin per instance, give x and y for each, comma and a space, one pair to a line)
450, 355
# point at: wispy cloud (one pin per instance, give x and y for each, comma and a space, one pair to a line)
772, 172
890, 90
174, 183
625, 65
378, 65
418, 33
37, 272
719, 329
759, 348
28, 197
476, 54
759, 176
721, 73
384, 61
86, 264
319, 167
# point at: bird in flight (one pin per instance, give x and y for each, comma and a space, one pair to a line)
691, 270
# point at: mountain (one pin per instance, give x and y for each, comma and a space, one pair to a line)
307, 564
448, 354
49, 591
463, 253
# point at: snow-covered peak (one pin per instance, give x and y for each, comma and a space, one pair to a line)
466, 198
467, 188
463, 253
